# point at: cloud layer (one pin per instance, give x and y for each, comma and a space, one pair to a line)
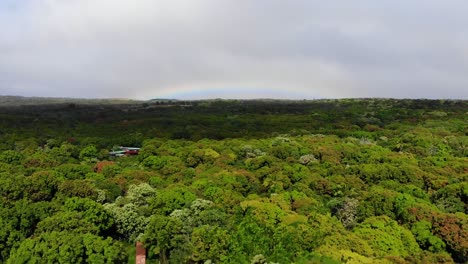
234, 48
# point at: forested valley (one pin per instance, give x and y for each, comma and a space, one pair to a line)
234, 181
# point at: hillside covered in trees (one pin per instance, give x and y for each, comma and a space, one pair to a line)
234, 181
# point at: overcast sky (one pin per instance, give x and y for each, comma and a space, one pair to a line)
234, 48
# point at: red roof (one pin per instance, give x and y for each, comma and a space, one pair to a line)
140, 254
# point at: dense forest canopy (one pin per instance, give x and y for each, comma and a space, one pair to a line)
234, 181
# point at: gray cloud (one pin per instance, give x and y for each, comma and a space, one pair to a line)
234, 48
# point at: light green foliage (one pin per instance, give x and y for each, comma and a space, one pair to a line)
11, 157
91, 211
293, 237
78, 188
301, 203
296, 172
167, 239
18, 223
378, 201
11, 188
41, 186
154, 162
209, 242
402, 205
73, 171
413, 191
267, 229
386, 237
64, 247
10, 236
452, 198
284, 150
259, 162
111, 170
71, 222
251, 238
345, 241
349, 256
264, 212
169, 200
210, 155
422, 233
88, 153
64, 153
150, 148
163, 164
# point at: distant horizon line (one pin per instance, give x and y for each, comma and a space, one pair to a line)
221, 98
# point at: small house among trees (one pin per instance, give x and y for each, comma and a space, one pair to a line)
124, 151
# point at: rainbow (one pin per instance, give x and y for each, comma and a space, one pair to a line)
193, 92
